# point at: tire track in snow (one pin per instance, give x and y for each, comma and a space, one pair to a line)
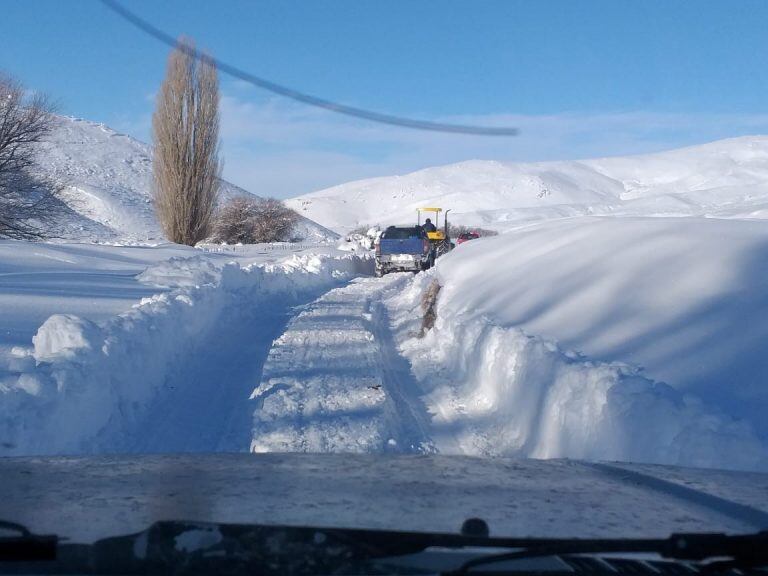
408, 409
333, 382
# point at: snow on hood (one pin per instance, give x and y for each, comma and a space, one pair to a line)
90, 498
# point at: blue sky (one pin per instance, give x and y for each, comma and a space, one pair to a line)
579, 78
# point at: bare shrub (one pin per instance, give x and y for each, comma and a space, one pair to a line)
186, 164
458, 229
29, 202
429, 307
362, 229
275, 222
255, 220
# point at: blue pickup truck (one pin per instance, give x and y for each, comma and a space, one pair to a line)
403, 249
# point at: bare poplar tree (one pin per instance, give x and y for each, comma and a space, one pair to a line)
29, 201
186, 144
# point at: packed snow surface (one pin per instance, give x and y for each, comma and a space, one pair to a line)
333, 382
108, 182
727, 178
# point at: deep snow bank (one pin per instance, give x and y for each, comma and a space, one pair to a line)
686, 299
81, 378
495, 390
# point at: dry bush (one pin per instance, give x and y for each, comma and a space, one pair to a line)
29, 202
186, 164
457, 229
255, 220
362, 229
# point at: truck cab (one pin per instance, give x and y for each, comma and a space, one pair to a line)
403, 249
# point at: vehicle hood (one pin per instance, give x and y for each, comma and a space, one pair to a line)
87, 498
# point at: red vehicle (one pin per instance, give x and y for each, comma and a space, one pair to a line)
466, 237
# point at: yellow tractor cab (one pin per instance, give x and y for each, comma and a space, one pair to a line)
439, 238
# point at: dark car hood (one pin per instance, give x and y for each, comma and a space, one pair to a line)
87, 498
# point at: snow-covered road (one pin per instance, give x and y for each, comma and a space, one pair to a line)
334, 381
311, 354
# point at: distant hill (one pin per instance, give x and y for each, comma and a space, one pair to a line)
727, 178
108, 185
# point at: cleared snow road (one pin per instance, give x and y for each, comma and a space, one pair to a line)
334, 381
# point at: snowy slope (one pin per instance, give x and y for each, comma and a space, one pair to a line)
724, 178
108, 179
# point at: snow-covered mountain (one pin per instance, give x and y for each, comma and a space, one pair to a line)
727, 178
108, 182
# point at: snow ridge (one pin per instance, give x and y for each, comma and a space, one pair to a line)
496, 391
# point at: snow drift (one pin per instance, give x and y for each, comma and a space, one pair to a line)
494, 390
83, 385
684, 298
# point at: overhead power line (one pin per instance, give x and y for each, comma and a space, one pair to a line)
370, 115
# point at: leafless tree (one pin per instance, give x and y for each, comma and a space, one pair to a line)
255, 220
29, 202
274, 221
234, 222
186, 146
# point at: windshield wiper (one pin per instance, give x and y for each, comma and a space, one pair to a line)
194, 547
739, 551
25, 546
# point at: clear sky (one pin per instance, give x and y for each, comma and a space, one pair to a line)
580, 78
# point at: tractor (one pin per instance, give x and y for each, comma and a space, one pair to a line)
440, 239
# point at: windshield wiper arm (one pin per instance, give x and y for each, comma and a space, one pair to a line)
742, 551
25, 546
203, 547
